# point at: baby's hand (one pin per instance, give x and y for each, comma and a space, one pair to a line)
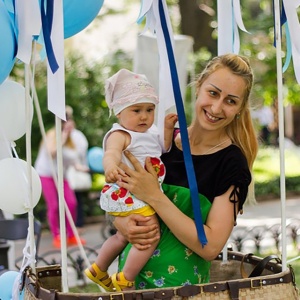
170, 120
112, 174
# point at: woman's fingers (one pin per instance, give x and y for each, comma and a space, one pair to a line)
149, 167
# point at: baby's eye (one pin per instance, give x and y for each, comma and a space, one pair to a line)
136, 110
150, 109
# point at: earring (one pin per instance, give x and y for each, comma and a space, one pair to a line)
238, 116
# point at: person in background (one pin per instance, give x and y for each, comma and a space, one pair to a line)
223, 144
265, 118
81, 145
45, 165
133, 101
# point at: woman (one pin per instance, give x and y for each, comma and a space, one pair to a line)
223, 146
44, 164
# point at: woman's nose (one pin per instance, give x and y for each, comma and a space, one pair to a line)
216, 108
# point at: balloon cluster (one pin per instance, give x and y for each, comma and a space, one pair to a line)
14, 183
77, 16
14, 173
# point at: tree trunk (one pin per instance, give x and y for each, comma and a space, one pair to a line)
195, 22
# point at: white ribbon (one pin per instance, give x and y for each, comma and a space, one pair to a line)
28, 16
229, 22
290, 7
150, 10
237, 24
56, 81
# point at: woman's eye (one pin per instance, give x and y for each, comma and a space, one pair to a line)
213, 93
231, 101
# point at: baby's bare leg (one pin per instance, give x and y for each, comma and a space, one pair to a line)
136, 259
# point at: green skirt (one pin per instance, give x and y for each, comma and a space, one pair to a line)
172, 263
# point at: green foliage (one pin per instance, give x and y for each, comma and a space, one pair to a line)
267, 171
84, 86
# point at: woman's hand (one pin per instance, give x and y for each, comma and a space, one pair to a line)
141, 182
137, 231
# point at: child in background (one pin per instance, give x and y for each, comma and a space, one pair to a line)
133, 101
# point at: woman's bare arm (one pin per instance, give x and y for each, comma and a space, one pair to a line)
136, 230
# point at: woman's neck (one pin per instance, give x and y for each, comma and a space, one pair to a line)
207, 142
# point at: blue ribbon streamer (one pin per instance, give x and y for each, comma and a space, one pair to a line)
183, 130
288, 48
47, 20
283, 22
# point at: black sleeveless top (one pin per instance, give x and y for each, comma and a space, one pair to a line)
215, 172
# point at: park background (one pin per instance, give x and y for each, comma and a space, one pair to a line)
109, 43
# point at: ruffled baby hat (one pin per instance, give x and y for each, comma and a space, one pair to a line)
126, 88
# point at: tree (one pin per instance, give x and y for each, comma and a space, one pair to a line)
196, 21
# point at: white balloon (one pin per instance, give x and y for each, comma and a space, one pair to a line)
12, 110
14, 186
5, 147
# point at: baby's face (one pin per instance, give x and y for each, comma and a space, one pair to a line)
138, 117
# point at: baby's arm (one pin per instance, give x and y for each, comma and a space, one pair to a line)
170, 121
115, 144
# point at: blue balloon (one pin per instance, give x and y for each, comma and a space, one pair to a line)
78, 14
95, 157
8, 42
7, 280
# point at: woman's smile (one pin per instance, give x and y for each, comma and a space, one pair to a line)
210, 117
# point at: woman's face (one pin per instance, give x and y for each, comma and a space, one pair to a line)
219, 99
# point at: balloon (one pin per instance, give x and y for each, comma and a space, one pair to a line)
95, 156
5, 147
12, 110
8, 42
78, 14
7, 280
14, 186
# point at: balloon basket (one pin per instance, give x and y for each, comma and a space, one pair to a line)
228, 281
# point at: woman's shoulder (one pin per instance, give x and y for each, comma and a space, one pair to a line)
232, 155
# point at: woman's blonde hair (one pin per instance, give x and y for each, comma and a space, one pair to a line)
241, 131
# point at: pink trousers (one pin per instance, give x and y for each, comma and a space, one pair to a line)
51, 197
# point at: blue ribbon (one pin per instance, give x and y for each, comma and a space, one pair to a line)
288, 48
183, 130
283, 22
47, 20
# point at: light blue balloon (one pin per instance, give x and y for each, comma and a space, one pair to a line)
78, 14
95, 159
8, 43
7, 280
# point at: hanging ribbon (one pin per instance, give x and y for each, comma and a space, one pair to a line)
27, 23
158, 21
229, 22
289, 12
56, 81
47, 19
238, 24
288, 39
